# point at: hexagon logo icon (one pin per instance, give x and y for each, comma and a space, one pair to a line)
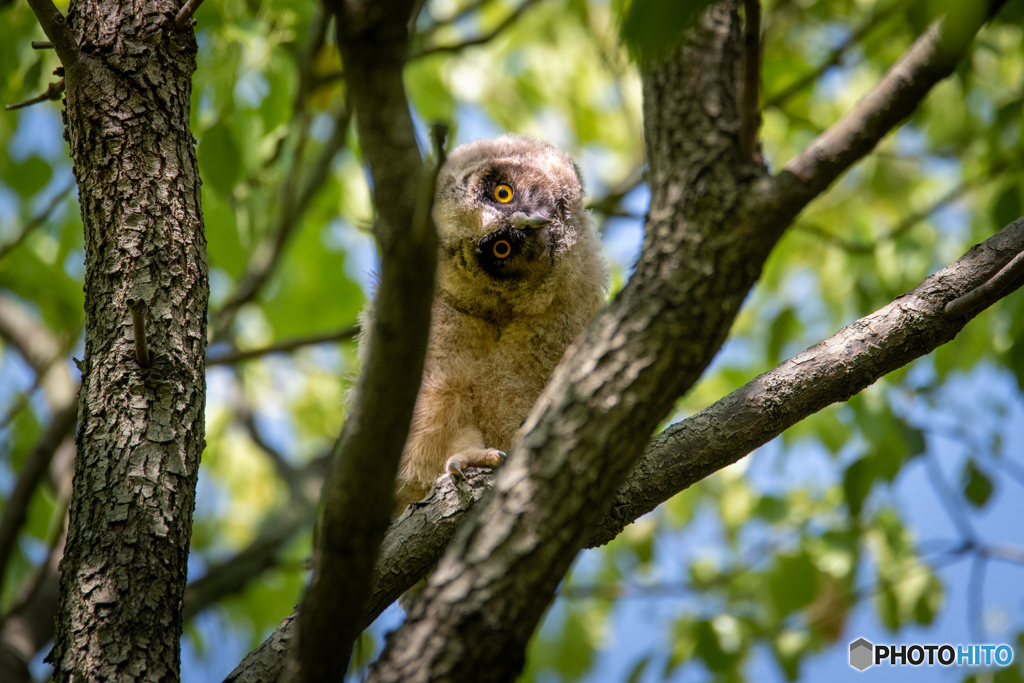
862, 654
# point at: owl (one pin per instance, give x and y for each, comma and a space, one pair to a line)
519, 275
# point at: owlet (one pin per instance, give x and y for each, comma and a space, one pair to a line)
519, 275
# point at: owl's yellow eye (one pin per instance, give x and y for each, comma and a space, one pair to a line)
502, 248
503, 193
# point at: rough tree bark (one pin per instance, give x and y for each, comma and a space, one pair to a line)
618, 381
714, 219
141, 416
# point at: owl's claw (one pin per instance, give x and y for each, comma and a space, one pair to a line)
455, 470
477, 457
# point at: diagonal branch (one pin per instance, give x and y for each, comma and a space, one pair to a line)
931, 58
268, 252
29, 476
56, 28
690, 450
835, 56
37, 220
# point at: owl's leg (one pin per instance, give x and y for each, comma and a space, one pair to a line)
470, 452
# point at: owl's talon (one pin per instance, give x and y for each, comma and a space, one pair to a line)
455, 470
503, 456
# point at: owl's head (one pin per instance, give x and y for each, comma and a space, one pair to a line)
507, 211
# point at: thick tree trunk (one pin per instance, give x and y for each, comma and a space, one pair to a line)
141, 423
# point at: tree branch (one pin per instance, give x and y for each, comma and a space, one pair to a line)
269, 251
479, 40
930, 59
185, 13
52, 92
56, 28
37, 220
236, 356
359, 495
31, 474
835, 56
832, 371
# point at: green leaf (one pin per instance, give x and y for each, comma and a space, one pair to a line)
771, 508
857, 483
930, 602
29, 176
637, 672
709, 649
222, 241
219, 159
792, 583
1007, 208
575, 653
977, 486
651, 27
785, 327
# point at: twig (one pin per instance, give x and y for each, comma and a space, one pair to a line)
53, 92
36, 221
976, 599
1006, 553
232, 575
905, 223
834, 57
931, 58
750, 113
609, 204
479, 40
980, 298
284, 469
31, 474
317, 35
42, 45
65, 42
233, 357
138, 310
949, 500
268, 252
186, 12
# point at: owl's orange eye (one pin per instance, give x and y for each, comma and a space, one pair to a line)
502, 249
503, 193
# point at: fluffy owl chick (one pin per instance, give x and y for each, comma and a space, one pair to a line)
519, 275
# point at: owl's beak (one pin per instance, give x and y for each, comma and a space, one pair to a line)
532, 221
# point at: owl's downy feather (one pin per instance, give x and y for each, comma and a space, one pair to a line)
520, 274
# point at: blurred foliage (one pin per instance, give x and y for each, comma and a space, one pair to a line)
762, 565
